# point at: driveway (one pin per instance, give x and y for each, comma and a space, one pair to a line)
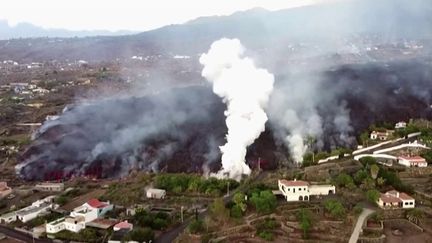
360, 221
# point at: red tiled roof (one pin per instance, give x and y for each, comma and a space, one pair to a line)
395, 196
405, 196
96, 203
414, 159
123, 225
389, 199
294, 183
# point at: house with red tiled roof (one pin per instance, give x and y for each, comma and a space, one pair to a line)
125, 225
395, 199
80, 217
415, 161
298, 190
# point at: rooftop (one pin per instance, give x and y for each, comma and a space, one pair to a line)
95, 203
294, 183
413, 158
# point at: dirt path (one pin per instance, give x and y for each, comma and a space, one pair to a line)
360, 221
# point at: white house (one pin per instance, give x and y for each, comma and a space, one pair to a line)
50, 187
81, 215
415, 161
33, 211
400, 125
26, 214
379, 135
156, 193
8, 218
395, 199
297, 190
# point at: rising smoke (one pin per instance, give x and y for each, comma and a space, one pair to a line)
245, 90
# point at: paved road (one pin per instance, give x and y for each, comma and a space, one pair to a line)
11, 233
172, 234
358, 227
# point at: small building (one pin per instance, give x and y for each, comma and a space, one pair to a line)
125, 225
415, 161
400, 125
375, 135
50, 187
80, 216
394, 199
156, 193
37, 208
4, 190
8, 218
297, 190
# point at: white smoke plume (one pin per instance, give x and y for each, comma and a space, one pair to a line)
245, 89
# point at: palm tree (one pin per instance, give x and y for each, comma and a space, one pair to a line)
414, 215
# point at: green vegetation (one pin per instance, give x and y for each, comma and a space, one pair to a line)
304, 216
428, 156
128, 193
196, 226
240, 200
344, 180
335, 208
42, 219
391, 179
85, 235
264, 202
265, 228
140, 235
180, 183
218, 211
372, 196
157, 221
414, 215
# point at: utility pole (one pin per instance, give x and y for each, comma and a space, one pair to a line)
228, 185
181, 213
259, 164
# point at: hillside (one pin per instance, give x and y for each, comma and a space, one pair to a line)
257, 28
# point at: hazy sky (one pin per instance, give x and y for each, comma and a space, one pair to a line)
127, 14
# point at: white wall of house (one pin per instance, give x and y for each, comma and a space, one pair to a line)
89, 214
408, 203
55, 226
8, 218
318, 190
74, 227
294, 193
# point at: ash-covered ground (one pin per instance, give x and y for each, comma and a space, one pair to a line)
181, 129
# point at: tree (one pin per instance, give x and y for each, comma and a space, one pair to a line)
343, 180
368, 161
380, 181
240, 200
304, 216
359, 176
414, 215
264, 201
372, 195
197, 226
368, 183
140, 235
236, 212
374, 169
428, 156
335, 208
364, 138
218, 210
